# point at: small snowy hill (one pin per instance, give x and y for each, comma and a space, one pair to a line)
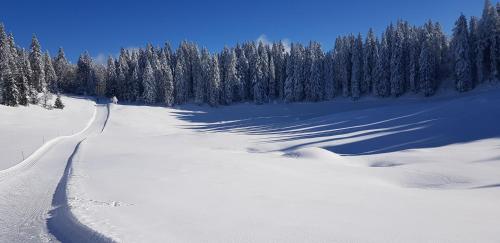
24, 129
406, 170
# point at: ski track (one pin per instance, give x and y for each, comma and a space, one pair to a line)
33, 200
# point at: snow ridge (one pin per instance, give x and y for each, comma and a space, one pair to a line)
62, 223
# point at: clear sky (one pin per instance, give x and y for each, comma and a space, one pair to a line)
103, 26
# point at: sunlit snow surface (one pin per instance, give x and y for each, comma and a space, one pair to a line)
24, 129
375, 170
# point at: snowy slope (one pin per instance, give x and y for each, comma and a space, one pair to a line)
416, 170
33, 202
24, 129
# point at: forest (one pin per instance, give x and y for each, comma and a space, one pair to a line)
403, 59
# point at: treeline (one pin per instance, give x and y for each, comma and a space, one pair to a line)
404, 59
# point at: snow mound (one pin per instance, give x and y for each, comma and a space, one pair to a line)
315, 153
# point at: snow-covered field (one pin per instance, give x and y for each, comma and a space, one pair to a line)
411, 170
25, 129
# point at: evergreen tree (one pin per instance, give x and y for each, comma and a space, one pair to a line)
357, 68
369, 62
289, 81
23, 77
214, 82
427, 67
382, 71
487, 43
473, 47
50, 74
272, 80
461, 55
85, 80
298, 78
397, 65
230, 79
329, 76
148, 82
62, 71
58, 104
278, 54
4, 62
316, 78
8, 86
111, 77
415, 49
37, 66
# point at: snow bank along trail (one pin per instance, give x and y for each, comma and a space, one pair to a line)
27, 197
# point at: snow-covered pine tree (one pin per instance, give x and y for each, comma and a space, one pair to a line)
262, 86
242, 72
473, 42
11, 93
461, 55
148, 82
27, 73
168, 80
37, 66
369, 62
230, 81
298, 78
338, 64
427, 68
62, 69
487, 28
134, 82
22, 81
111, 77
122, 70
346, 56
58, 104
329, 76
357, 68
179, 82
289, 81
415, 47
397, 65
4, 64
382, 71
8, 86
278, 54
214, 82
314, 91
84, 76
272, 79
50, 74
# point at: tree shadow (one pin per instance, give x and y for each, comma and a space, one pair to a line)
370, 126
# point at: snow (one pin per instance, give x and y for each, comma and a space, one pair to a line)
33, 201
25, 129
375, 170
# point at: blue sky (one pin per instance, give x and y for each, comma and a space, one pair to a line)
102, 27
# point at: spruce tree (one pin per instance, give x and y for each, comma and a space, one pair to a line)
50, 74
37, 66
397, 65
62, 70
148, 82
214, 82
487, 43
289, 81
382, 72
461, 55
357, 68
369, 62
427, 67
58, 104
